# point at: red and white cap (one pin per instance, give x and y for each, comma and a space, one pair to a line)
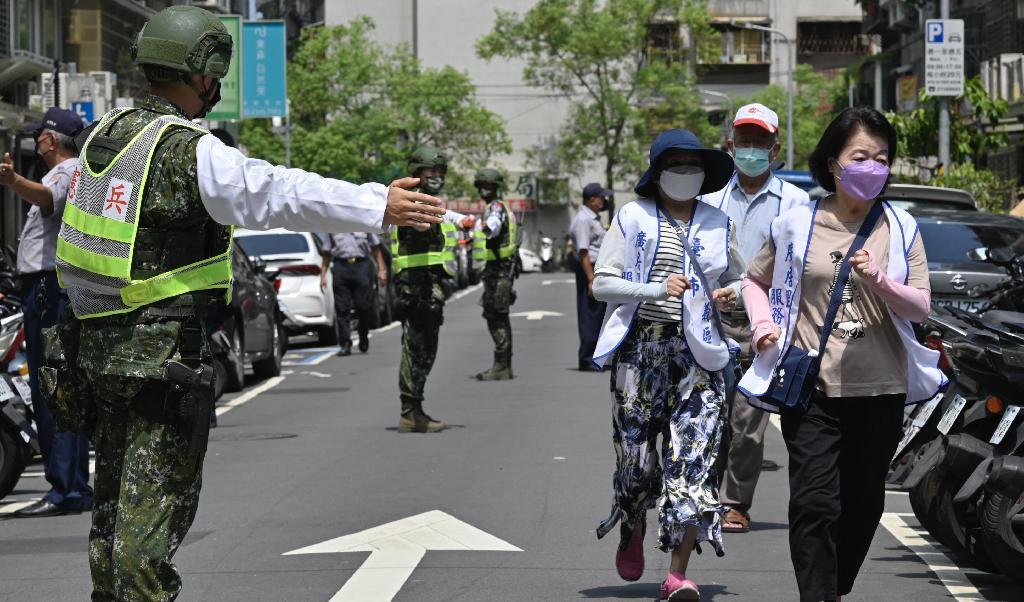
757, 114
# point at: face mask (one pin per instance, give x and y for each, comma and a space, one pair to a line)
488, 194
432, 185
682, 183
752, 162
210, 99
863, 180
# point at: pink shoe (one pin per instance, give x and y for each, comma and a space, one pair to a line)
677, 587
629, 559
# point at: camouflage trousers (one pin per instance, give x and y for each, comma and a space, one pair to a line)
498, 297
421, 294
659, 390
147, 491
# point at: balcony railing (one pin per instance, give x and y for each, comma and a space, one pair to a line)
738, 8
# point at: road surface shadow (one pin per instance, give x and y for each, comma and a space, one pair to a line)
647, 591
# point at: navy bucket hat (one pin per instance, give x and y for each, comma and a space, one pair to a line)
718, 165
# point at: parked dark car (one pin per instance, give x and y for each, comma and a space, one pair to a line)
250, 328
801, 179
913, 196
949, 235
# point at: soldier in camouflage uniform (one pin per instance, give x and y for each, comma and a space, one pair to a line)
423, 263
495, 244
144, 248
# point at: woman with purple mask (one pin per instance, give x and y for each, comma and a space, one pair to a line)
871, 364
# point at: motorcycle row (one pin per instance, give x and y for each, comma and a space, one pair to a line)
962, 455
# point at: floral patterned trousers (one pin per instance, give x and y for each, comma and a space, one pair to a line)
658, 389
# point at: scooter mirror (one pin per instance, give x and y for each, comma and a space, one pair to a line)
979, 254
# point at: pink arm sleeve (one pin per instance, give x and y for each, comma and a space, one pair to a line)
908, 302
755, 299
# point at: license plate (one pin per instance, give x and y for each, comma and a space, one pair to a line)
5, 390
971, 305
926, 411
951, 413
23, 389
1004, 425
908, 436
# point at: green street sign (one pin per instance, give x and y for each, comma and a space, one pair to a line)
230, 105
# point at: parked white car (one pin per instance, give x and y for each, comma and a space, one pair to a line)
294, 257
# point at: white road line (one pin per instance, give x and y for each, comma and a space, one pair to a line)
467, 291
12, 507
565, 281
249, 395
960, 588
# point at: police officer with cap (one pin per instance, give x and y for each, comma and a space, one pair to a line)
144, 248
495, 246
587, 232
352, 258
65, 454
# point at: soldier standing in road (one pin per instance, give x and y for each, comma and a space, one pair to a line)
587, 233
144, 248
353, 274
424, 266
495, 244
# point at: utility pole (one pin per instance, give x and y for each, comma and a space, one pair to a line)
789, 86
416, 28
944, 107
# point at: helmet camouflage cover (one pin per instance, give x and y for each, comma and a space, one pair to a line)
426, 157
184, 39
489, 176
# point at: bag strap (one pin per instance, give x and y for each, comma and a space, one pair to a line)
685, 242
844, 273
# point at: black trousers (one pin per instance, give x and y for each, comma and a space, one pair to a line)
353, 289
589, 316
839, 453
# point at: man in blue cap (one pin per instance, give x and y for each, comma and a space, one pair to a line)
587, 232
65, 455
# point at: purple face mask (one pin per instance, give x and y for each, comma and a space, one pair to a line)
864, 180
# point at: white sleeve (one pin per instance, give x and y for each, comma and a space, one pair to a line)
454, 217
613, 289
611, 258
494, 221
257, 195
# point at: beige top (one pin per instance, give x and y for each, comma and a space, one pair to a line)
864, 356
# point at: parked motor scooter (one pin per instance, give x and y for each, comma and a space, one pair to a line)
547, 254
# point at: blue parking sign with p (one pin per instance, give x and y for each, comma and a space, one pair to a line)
935, 32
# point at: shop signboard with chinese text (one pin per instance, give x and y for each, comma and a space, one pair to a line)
264, 86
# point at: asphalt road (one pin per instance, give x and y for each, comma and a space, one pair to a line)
505, 502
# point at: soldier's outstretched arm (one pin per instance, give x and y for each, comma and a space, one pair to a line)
257, 195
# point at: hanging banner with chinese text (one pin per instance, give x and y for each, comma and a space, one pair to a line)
264, 86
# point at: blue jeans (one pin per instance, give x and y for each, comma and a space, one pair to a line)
65, 455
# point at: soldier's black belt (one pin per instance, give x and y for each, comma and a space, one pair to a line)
350, 259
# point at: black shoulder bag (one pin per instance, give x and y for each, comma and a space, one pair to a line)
793, 385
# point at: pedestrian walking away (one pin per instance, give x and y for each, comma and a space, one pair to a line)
494, 245
752, 199
858, 320
423, 262
355, 259
663, 337
65, 453
144, 248
587, 232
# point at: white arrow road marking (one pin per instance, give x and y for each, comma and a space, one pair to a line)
539, 314
565, 281
396, 549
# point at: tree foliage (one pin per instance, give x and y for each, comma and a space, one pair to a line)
596, 55
357, 108
917, 129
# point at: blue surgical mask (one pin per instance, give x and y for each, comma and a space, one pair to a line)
752, 162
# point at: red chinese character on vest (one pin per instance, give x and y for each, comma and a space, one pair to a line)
116, 201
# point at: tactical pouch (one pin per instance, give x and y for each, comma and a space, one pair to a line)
61, 383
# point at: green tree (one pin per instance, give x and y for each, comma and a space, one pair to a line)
813, 108
357, 107
597, 55
967, 140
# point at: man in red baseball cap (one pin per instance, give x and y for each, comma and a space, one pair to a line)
753, 197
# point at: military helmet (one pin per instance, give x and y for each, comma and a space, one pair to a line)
426, 157
185, 39
489, 176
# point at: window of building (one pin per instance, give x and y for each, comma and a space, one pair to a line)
664, 42
829, 37
36, 27
743, 46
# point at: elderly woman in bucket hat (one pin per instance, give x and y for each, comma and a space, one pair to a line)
668, 264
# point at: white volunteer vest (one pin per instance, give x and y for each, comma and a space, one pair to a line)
792, 233
709, 238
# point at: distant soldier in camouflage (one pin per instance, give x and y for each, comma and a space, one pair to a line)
424, 266
495, 245
143, 250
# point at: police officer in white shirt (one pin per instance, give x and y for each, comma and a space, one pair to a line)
65, 455
587, 232
752, 199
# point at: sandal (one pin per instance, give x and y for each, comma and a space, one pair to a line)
735, 521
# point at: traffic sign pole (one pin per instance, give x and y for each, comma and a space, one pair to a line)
944, 108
